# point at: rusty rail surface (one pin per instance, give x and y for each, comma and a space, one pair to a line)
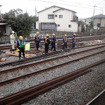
43, 70
30, 93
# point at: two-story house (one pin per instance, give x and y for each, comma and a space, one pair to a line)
57, 19
99, 21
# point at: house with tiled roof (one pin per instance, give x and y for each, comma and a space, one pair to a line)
99, 21
58, 19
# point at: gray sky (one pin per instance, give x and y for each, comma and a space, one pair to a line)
84, 8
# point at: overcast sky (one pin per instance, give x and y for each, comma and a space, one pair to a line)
84, 8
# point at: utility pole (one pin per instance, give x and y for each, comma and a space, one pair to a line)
94, 14
94, 11
35, 18
93, 17
35, 12
0, 12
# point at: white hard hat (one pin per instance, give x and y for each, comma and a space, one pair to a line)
13, 32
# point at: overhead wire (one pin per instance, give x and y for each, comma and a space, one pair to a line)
68, 4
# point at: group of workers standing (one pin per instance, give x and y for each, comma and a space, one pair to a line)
47, 41
53, 41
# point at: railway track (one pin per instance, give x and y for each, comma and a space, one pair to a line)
57, 62
20, 68
27, 94
23, 61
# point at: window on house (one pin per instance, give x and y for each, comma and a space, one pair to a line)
98, 24
51, 16
69, 26
55, 15
60, 16
58, 25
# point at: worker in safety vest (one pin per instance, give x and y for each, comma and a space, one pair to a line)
37, 40
20, 47
65, 41
53, 41
47, 42
73, 40
12, 40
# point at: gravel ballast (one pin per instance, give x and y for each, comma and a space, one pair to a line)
34, 80
77, 92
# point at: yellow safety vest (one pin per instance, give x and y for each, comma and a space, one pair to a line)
46, 40
37, 39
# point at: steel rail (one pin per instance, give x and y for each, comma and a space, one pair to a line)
30, 93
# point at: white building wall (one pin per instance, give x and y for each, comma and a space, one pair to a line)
43, 16
101, 21
65, 21
37, 25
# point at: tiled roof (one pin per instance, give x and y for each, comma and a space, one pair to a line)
56, 10
98, 16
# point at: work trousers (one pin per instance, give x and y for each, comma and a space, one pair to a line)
53, 46
21, 50
65, 45
37, 45
73, 44
13, 45
46, 47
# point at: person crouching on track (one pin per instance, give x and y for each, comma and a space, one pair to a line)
65, 41
73, 40
20, 47
53, 41
47, 42
37, 40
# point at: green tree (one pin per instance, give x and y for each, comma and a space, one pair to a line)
91, 25
82, 28
20, 22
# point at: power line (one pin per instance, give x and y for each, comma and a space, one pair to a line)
68, 4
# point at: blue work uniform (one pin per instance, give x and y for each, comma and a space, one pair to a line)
53, 41
20, 46
47, 42
37, 41
73, 42
64, 43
